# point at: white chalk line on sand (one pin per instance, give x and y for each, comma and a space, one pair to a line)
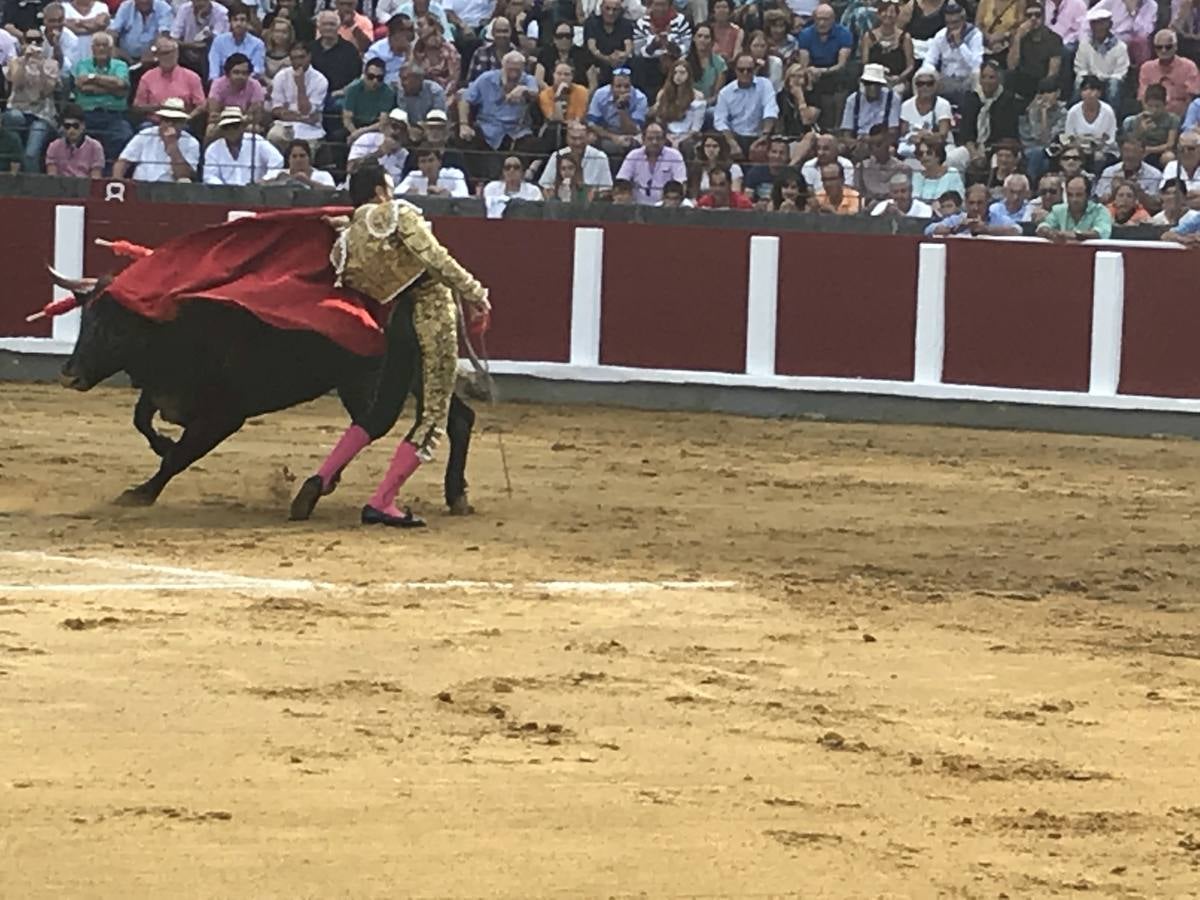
184, 578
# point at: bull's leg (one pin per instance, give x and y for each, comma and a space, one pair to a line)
143, 421
458, 430
207, 430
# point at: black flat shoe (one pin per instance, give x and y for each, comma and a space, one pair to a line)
373, 516
306, 498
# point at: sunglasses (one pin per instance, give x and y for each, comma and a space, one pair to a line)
563, 36
71, 126
926, 83
33, 40
1164, 46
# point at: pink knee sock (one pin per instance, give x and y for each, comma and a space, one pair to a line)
404, 463
350, 444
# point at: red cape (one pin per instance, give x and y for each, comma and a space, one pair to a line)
274, 265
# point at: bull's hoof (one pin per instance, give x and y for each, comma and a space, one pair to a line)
137, 496
461, 506
306, 498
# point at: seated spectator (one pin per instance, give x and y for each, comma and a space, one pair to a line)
300, 171
1043, 123
592, 167
888, 45
998, 21
1093, 125
674, 197
834, 196
826, 152
197, 23
1133, 25
797, 119
562, 50
766, 64
1133, 169
86, 17
355, 28
1174, 206
511, 186
301, 18
1050, 194
165, 152
102, 91
236, 158
525, 27
74, 155
789, 193
1185, 21
720, 195
1157, 128
386, 142
168, 79
1013, 204
949, 204
712, 152
237, 39
385, 9
278, 39
366, 99
872, 104
298, 99
935, 178
567, 185
1187, 166
925, 114
974, 221
61, 44
1035, 54
728, 38
824, 52
431, 179
873, 176
608, 39
621, 193
1079, 218
500, 103
1125, 208
418, 96
617, 113
435, 55
135, 26
957, 53
709, 69
562, 101
681, 108
335, 58
489, 57
31, 114
777, 165
989, 115
652, 165
1068, 19
394, 49
659, 36
1102, 55
1186, 231
236, 88
746, 110
777, 27
900, 202
1007, 159
434, 131
1175, 73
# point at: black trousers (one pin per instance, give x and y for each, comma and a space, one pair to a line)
400, 374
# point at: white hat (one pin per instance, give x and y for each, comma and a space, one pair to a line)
231, 115
398, 115
435, 115
173, 108
874, 73
1096, 13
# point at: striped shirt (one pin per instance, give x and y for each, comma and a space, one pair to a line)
677, 32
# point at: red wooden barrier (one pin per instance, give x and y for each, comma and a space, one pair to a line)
1161, 338
847, 305
28, 249
674, 298
1018, 315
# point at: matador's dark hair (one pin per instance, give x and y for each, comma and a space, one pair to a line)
363, 182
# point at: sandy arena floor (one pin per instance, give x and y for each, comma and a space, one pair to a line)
953, 664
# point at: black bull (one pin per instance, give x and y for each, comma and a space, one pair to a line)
214, 366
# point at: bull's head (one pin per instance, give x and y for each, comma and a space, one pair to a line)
108, 333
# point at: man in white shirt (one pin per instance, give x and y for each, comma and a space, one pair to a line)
237, 158
162, 153
827, 152
430, 179
1187, 167
1102, 54
957, 52
385, 142
470, 14
902, 203
593, 164
511, 186
297, 99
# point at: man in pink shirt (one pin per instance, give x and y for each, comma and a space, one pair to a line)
169, 79
236, 88
74, 155
1067, 19
1178, 75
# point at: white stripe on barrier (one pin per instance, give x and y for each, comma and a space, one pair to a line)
762, 305
1108, 314
586, 291
929, 344
69, 224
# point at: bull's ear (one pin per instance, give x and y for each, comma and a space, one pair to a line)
75, 285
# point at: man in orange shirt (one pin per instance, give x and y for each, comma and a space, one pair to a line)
834, 196
1178, 75
354, 26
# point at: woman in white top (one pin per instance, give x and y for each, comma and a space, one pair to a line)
924, 113
712, 152
680, 107
300, 169
1092, 124
86, 16
766, 64
511, 186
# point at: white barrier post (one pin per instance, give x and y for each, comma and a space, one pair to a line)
235, 214
1108, 317
585, 296
762, 305
68, 259
929, 350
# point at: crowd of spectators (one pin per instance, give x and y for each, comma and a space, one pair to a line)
980, 118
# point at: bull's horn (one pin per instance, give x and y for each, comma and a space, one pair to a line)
71, 284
